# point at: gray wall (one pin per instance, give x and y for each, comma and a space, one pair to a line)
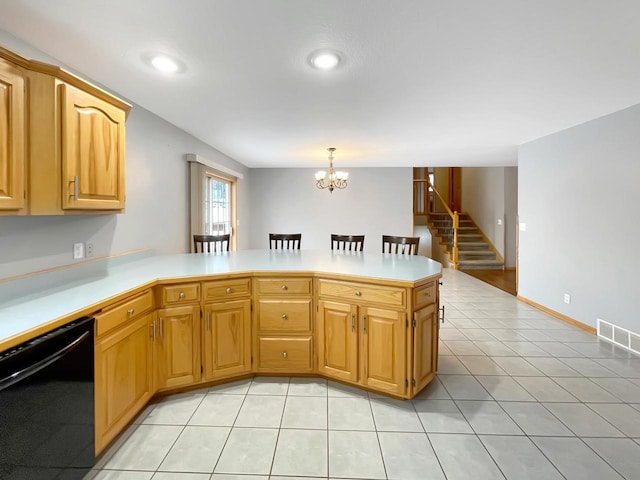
157, 199
489, 194
285, 200
579, 197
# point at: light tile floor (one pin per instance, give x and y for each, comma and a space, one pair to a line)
519, 395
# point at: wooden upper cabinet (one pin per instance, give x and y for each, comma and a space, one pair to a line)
93, 144
12, 131
68, 134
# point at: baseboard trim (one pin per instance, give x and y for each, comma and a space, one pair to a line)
559, 315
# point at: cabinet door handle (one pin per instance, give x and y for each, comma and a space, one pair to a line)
131, 311
364, 324
76, 188
442, 310
358, 293
153, 330
353, 322
284, 354
208, 321
284, 316
161, 323
228, 290
283, 287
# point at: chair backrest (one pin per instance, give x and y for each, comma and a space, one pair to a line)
211, 243
285, 241
347, 242
400, 245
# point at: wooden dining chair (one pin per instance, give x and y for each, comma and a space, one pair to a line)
285, 241
353, 243
211, 243
400, 245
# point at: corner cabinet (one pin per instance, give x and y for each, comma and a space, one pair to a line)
73, 134
12, 133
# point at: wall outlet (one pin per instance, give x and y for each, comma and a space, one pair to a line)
89, 249
78, 251
567, 298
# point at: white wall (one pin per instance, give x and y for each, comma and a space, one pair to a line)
377, 201
157, 205
579, 197
489, 194
483, 199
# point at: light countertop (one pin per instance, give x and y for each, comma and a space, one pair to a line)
61, 301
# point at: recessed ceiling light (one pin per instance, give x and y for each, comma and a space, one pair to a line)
164, 64
325, 59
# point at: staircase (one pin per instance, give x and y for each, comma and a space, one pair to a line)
474, 251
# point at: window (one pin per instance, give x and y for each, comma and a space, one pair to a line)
217, 205
213, 203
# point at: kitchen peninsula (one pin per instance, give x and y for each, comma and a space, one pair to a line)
170, 322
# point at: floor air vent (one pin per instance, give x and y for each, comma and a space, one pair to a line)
618, 335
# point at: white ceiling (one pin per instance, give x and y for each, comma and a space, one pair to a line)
424, 82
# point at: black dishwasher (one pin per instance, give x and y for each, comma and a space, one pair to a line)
46, 405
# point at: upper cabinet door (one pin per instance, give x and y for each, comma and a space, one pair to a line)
93, 153
12, 139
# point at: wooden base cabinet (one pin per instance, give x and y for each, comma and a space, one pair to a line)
365, 345
337, 339
178, 340
425, 346
226, 339
124, 367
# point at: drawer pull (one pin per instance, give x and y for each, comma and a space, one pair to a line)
284, 287
358, 293
284, 354
284, 316
228, 290
131, 311
181, 295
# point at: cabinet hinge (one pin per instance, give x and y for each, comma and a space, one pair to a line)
406, 383
251, 359
201, 369
413, 323
251, 307
413, 382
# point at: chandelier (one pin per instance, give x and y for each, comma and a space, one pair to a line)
335, 180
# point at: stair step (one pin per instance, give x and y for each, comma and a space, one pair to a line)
480, 265
476, 255
472, 246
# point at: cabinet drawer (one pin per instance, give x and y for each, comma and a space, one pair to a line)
221, 290
111, 317
285, 315
424, 295
284, 286
177, 294
291, 354
362, 293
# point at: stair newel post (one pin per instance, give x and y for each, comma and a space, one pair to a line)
456, 224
